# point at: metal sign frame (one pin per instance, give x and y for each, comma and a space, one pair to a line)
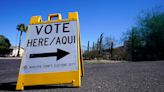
73, 77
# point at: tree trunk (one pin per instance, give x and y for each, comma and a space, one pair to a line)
19, 44
111, 50
88, 50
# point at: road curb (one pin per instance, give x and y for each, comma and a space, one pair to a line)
10, 58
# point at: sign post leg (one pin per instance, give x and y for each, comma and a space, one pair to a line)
77, 82
20, 85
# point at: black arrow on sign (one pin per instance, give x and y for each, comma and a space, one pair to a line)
59, 54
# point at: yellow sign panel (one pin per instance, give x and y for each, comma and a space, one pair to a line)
52, 52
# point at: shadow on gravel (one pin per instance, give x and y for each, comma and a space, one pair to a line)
12, 85
41, 87
8, 86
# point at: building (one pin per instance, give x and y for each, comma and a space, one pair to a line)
14, 51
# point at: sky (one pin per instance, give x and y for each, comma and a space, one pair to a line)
110, 17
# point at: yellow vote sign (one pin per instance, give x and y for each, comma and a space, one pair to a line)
52, 52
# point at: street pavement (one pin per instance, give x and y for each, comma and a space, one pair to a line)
116, 77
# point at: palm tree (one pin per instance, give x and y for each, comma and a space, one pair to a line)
22, 28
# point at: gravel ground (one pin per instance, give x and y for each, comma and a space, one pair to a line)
100, 77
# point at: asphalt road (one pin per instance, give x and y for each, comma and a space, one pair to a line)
119, 77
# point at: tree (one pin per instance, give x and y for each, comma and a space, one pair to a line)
109, 44
93, 46
22, 28
135, 43
97, 44
4, 46
4, 43
147, 38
